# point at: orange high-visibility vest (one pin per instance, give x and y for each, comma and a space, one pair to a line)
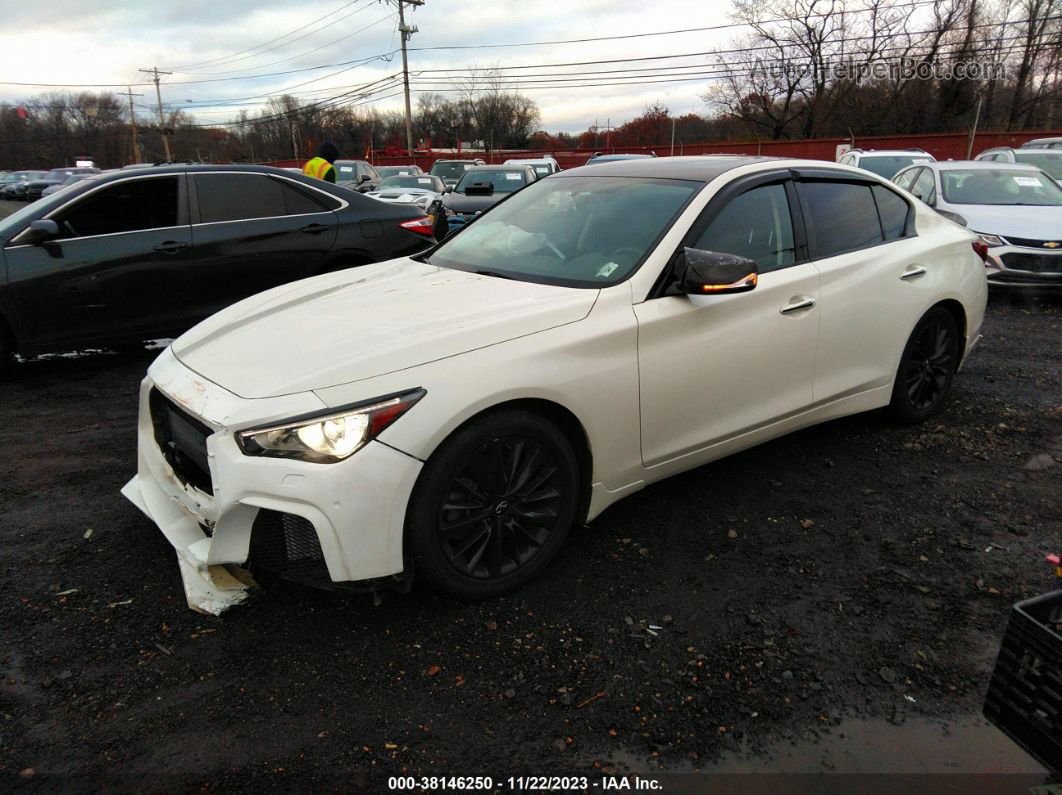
317, 168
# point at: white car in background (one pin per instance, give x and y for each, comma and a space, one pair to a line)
456, 413
1015, 209
543, 166
884, 162
1047, 159
419, 190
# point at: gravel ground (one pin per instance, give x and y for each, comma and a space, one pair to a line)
819, 578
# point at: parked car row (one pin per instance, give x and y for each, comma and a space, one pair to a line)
125, 256
453, 413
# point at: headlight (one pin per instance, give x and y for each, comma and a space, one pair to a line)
992, 240
328, 438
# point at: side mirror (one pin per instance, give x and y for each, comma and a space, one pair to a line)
40, 232
955, 217
716, 273
364, 178
448, 189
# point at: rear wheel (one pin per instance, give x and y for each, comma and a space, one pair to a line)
493, 505
927, 367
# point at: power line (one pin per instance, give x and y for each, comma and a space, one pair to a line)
301, 54
257, 46
914, 4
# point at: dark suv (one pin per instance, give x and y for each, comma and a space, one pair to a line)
126, 256
356, 175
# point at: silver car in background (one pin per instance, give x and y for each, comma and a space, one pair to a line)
1015, 209
419, 190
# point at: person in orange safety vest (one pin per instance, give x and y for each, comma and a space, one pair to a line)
320, 166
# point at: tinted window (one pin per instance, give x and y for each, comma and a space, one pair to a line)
1051, 162
125, 207
756, 225
497, 181
237, 197
893, 212
843, 216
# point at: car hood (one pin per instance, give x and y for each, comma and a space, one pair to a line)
398, 193
460, 203
366, 322
1034, 223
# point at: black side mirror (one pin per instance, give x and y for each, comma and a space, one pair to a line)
40, 232
448, 189
715, 273
364, 178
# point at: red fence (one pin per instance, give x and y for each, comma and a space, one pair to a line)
942, 146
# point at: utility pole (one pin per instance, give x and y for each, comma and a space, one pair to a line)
154, 70
132, 123
407, 31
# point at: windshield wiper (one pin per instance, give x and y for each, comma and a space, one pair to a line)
495, 274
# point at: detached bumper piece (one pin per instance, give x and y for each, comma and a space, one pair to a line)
286, 546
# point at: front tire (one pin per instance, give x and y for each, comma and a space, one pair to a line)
927, 367
493, 505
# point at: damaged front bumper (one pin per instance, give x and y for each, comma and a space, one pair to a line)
352, 511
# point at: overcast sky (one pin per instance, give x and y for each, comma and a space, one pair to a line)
73, 41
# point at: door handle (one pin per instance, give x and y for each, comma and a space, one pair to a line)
314, 229
913, 272
170, 247
796, 306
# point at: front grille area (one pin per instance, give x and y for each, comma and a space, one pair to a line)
287, 545
1036, 263
1030, 243
182, 440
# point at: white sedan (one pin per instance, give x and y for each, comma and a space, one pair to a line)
453, 414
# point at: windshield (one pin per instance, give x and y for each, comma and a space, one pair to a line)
887, 165
499, 181
397, 171
573, 231
999, 186
58, 174
424, 183
1051, 162
450, 170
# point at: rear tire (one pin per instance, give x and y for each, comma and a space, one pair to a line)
927, 367
493, 505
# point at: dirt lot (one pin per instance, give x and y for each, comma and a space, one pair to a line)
853, 574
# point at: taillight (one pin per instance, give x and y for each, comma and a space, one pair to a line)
981, 247
422, 226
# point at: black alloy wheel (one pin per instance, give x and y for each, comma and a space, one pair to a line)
928, 365
500, 508
493, 505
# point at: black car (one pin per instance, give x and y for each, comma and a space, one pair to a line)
480, 188
357, 175
14, 184
57, 176
122, 257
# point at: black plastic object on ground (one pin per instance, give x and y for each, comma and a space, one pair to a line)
1024, 698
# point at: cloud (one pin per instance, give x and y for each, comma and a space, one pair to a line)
108, 43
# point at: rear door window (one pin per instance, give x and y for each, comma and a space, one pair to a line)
242, 197
842, 217
127, 206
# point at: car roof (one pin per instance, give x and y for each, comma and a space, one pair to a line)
891, 152
497, 167
700, 168
975, 165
